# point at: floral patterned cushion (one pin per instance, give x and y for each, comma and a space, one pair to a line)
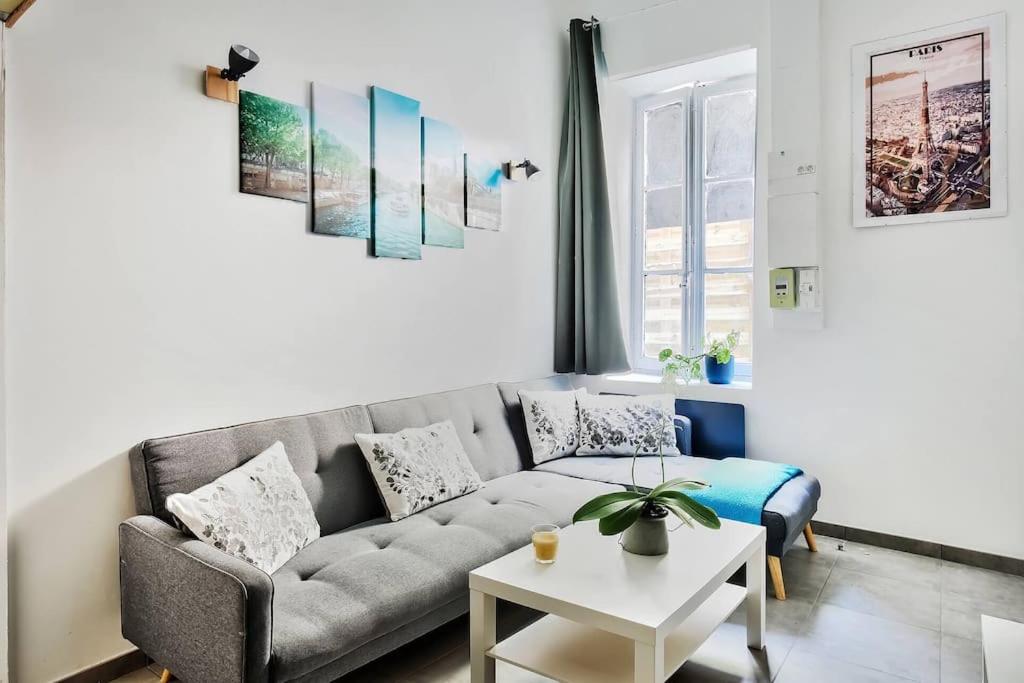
620, 425
552, 423
257, 512
418, 467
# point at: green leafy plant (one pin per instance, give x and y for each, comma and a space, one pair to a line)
721, 349
689, 368
677, 365
618, 511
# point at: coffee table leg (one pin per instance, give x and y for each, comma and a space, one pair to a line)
755, 598
649, 662
482, 636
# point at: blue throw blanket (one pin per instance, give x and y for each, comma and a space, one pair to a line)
740, 488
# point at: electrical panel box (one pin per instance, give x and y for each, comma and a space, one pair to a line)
783, 287
807, 289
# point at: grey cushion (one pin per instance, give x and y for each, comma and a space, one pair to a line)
784, 515
351, 587
514, 408
478, 416
320, 447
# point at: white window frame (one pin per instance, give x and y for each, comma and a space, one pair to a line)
693, 268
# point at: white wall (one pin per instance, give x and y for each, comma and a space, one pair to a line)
906, 405
147, 296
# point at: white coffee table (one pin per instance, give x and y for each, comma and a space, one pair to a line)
1001, 642
614, 617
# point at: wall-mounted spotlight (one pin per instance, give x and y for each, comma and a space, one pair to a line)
222, 84
521, 171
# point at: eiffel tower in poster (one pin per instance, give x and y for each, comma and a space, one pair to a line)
925, 150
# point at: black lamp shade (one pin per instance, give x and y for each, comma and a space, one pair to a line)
528, 168
241, 60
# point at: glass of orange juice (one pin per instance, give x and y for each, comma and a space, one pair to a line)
545, 543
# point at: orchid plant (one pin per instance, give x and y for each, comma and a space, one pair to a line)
618, 511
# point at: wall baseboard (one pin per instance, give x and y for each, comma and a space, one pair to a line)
974, 558
110, 669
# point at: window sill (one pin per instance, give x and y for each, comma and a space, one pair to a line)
650, 378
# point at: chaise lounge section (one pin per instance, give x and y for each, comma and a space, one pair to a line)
368, 585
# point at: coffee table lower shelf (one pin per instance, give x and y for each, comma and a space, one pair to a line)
574, 653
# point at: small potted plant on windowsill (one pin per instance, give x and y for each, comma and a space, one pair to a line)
718, 362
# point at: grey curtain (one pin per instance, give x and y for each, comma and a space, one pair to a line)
588, 329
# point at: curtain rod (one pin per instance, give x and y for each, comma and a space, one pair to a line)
594, 21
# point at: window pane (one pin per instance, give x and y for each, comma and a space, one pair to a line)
664, 145
664, 208
729, 201
729, 124
727, 307
663, 313
663, 249
728, 244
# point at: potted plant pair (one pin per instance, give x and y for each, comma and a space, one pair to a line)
717, 361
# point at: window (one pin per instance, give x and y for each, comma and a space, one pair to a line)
693, 182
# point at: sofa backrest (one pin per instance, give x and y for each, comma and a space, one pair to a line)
514, 408
320, 447
479, 417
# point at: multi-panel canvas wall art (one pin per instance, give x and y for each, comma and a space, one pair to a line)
273, 147
341, 163
483, 193
395, 136
930, 125
443, 179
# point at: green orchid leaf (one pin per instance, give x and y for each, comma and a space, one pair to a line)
617, 522
701, 514
664, 354
680, 482
606, 510
592, 509
678, 512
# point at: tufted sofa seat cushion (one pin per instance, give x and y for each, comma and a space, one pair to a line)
350, 587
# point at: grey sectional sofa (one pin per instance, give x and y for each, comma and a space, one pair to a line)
367, 585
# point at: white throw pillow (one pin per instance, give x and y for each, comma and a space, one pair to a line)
257, 512
617, 425
418, 467
552, 423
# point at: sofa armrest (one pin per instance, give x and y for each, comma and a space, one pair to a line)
195, 610
684, 434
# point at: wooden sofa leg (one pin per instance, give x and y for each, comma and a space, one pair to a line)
165, 677
775, 569
812, 544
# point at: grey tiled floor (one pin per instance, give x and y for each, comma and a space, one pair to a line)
860, 615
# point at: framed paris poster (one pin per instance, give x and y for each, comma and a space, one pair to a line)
929, 125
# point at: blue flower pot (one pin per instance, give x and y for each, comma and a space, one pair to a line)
719, 373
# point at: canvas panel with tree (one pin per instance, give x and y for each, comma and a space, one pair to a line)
443, 177
483, 193
396, 149
341, 163
273, 147
927, 137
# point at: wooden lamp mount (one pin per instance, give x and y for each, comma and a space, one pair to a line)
220, 88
